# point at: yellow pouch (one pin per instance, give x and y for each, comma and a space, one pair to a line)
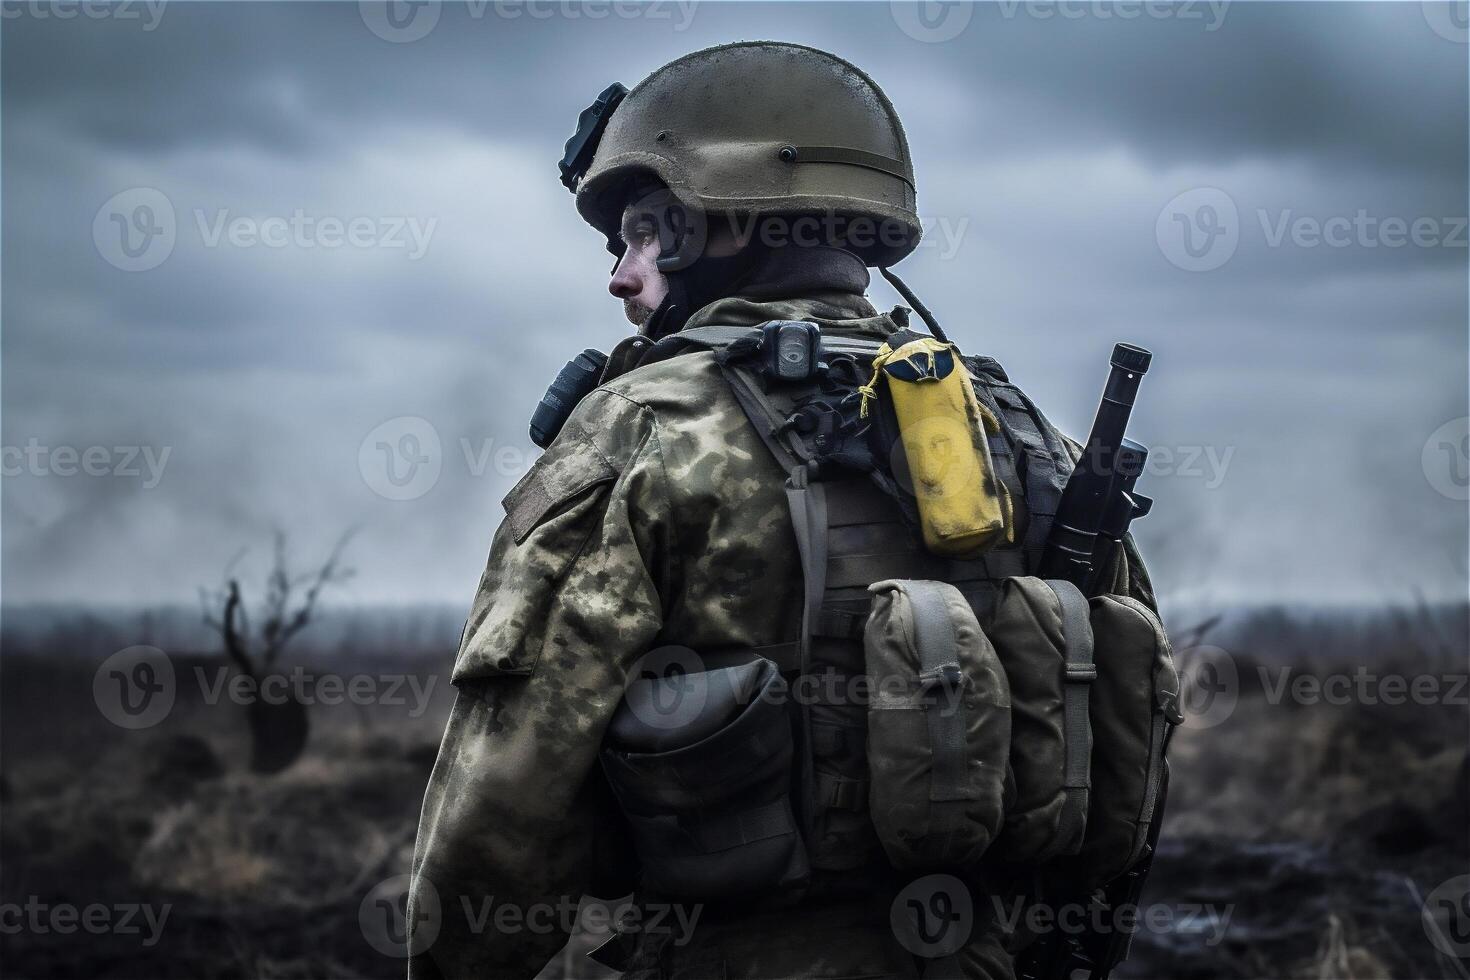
963, 509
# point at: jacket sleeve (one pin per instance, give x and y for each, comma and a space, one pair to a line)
568, 601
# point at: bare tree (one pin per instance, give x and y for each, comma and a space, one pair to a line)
278, 728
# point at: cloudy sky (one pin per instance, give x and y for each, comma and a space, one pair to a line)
262, 259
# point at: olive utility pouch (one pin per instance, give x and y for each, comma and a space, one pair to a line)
1042, 633
1135, 704
707, 791
938, 727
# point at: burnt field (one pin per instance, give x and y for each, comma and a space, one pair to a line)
1316, 804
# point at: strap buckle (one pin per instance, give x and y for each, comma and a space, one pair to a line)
947, 677
1080, 673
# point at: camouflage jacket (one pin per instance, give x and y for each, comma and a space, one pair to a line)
657, 516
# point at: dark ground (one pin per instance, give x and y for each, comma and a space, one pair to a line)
1319, 827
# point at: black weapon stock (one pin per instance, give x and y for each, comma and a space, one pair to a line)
1098, 502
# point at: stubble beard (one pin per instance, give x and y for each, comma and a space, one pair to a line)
637, 313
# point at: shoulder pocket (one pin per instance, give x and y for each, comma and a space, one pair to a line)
570, 467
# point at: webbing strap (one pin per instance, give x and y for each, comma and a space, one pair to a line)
1078, 674
939, 664
726, 830
808, 503
717, 336
1042, 494
1158, 774
786, 656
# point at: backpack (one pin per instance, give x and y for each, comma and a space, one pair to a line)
1012, 731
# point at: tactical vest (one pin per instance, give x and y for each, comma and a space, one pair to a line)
850, 534
784, 803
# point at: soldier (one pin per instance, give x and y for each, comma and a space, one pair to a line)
739, 185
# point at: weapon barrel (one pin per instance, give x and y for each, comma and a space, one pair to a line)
1090, 489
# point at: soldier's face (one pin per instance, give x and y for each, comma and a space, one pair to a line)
636, 279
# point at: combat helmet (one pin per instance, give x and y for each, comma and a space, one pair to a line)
752, 130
